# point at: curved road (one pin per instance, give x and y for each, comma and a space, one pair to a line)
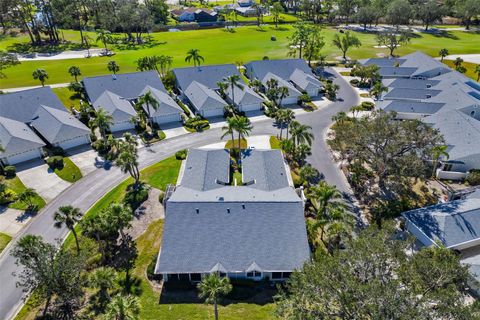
84, 193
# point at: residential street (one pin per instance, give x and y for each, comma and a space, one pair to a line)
84, 193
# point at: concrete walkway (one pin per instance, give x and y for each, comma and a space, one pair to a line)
472, 58
77, 54
55, 85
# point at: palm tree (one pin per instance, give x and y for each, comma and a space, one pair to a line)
437, 152
74, 72
120, 217
458, 62
103, 279
288, 118
212, 288
127, 158
243, 128
222, 88
340, 117
477, 71
344, 43
105, 37
27, 196
233, 81
41, 75
102, 120
301, 133
123, 308
229, 129
165, 63
282, 93
193, 55
68, 216
113, 67
377, 90
149, 100
443, 53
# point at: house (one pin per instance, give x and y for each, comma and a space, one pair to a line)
295, 72
455, 225
293, 94
118, 94
168, 111
60, 128
194, 15
247, 11
246, 99
44, 113
245, 3
254, 231
19, 142
205, 101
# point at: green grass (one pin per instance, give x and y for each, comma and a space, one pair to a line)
274, 143
69, 172
4, 240
162, 173
17, 185
68, 98
237, 178
243, 45
470, 68
243, 144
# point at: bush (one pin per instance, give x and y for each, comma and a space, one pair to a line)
93, 137
161, 196
351, 64
181, 155
134, 198
55, 162
7, 196
57, 151
184, 108
249, 283
305, 98
367, 105
473, 177
197, 124
10, 171
354, 82
151, 270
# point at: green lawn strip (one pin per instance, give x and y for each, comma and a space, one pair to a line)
68, 98
243, 144
4, 240
468, 65
274, 143
17, 186
245, 44
69, 172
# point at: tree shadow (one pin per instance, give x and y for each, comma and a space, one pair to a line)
442, 34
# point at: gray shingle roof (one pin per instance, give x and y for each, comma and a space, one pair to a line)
411, 94
382, 62
396, 71
22, 105
305, 81
234, 235
204, 98
462, 135
16, 137
407, 106
206, 75
120, 108
282, 68
412, 83
424, 64
204, 168
266, 168
166, 104
244, 96
451, 223
57, 125
126, 85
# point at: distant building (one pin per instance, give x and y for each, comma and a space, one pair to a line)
194, 15
251, 231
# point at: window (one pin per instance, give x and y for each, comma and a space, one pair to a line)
276, 275
249, 274
287, 274
222, 274
195, 277
257, 274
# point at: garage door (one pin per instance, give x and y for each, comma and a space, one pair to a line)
121, 126
252, 107
22, 157
167, 119
290, 100
312, 93
74, 142
213, 113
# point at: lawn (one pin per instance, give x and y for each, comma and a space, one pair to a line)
243, 144
243, 45
4, 240
470, 68
69, 172
68, 98
274, 143
17, 185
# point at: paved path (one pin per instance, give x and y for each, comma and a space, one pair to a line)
55, 85
472, 58
77, 54
84, 193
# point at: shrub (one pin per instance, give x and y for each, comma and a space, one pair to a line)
181, 155
55, 162
7, 196
473, 177
367, 105
169, 80
354, 82
197, 123
351, 64
93, 137
151, 270
135, 197
57, 151
10, 171
305, 98
161, 196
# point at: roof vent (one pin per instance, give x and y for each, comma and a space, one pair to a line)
243, 206
114, 76
228, 210
197, 210
221, 199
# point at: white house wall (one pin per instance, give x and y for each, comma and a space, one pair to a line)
75, 142
22, 157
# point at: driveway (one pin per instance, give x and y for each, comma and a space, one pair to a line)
85, 158
37, 175
173, 130
259, 142
84, 193
12, 220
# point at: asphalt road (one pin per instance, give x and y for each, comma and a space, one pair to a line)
84, 193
